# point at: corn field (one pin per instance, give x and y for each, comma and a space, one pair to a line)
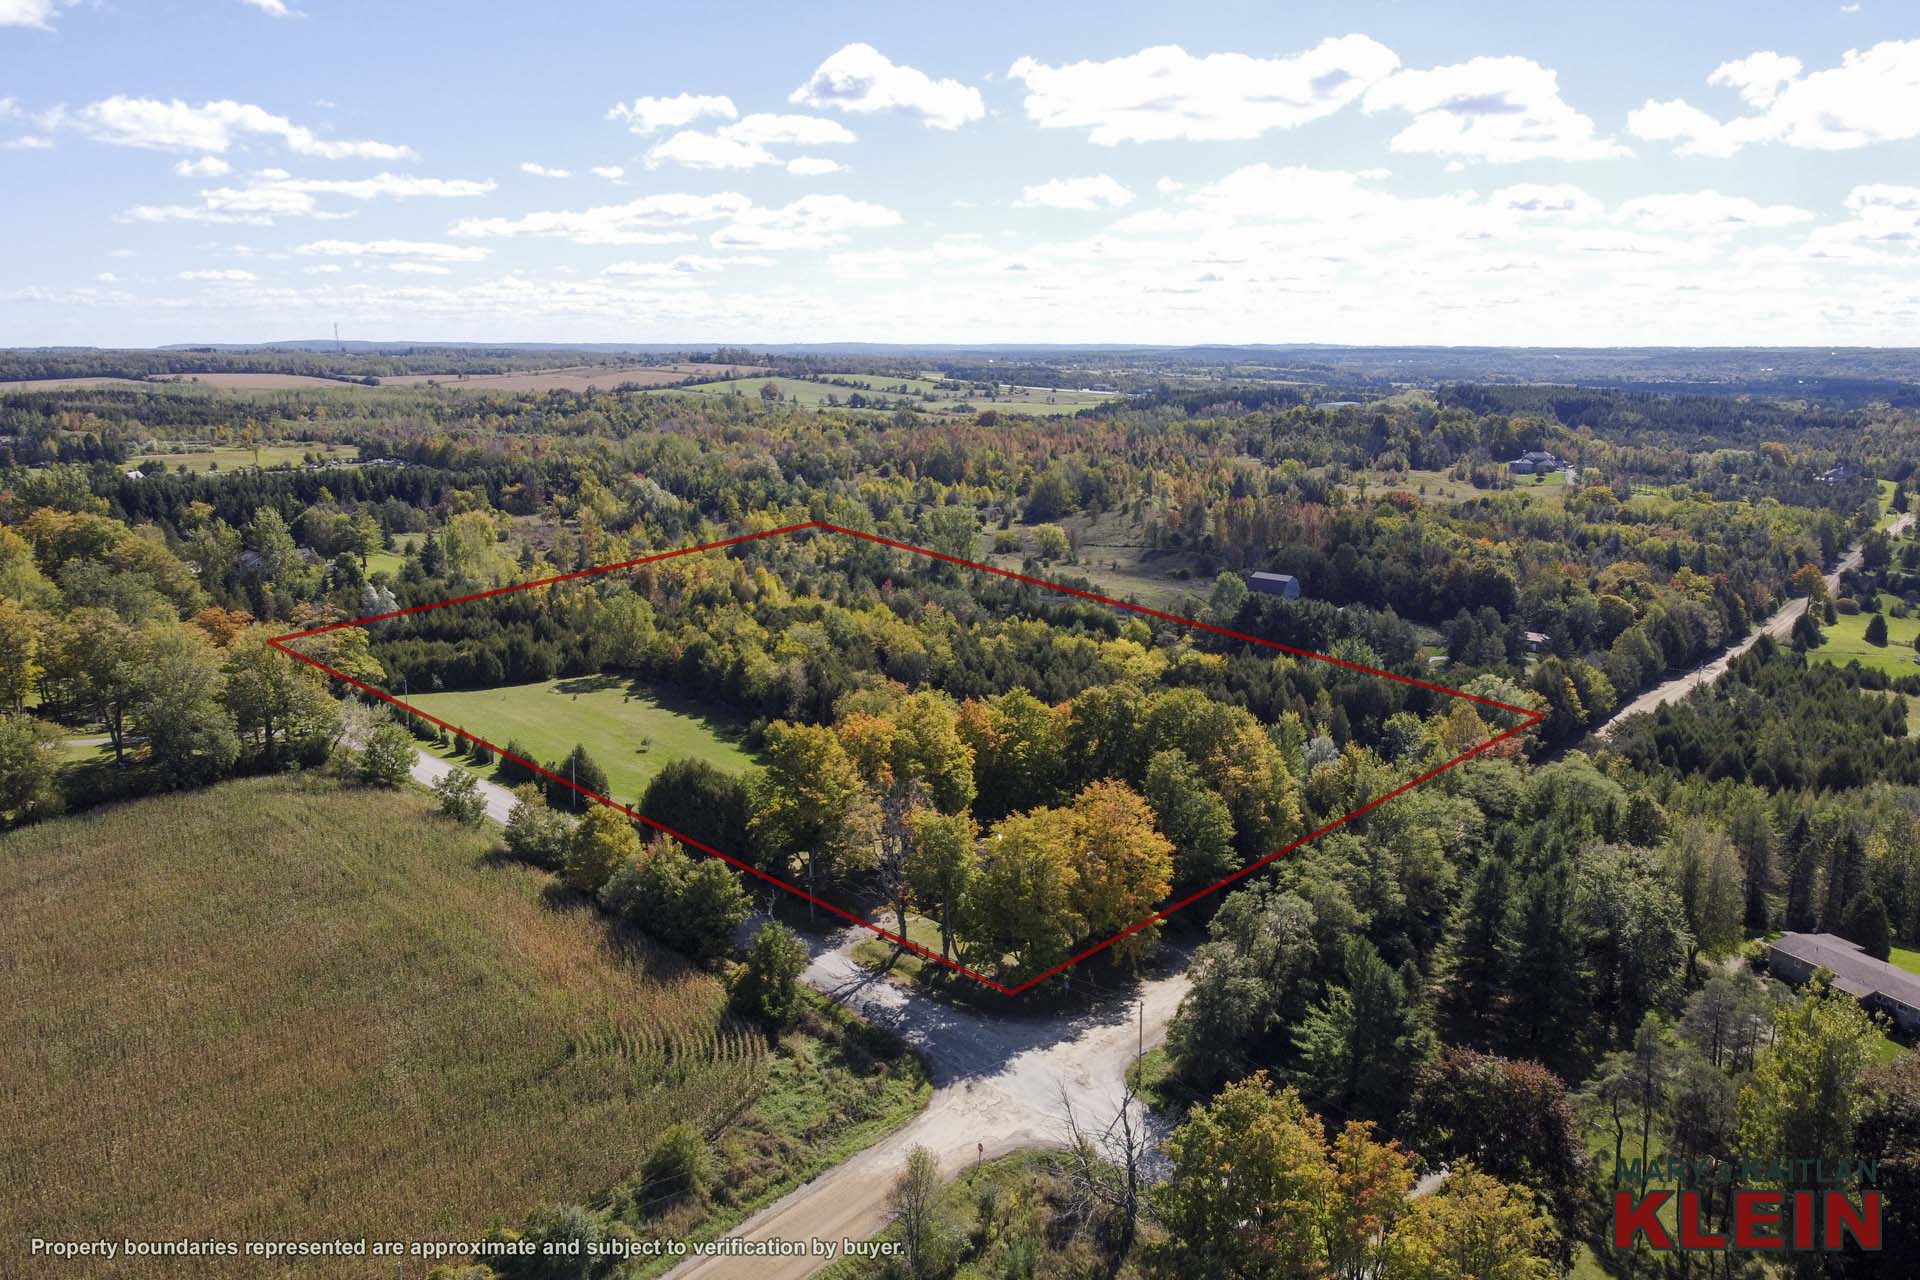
287, 1009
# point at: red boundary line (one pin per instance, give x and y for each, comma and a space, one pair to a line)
1532, 718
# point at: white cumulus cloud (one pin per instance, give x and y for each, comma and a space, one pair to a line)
650, 115
544, 171
394, 249
813, 166
1501, 110
1708, 213
1872, 96
1096, 192
743, 144
232, 274
210, 127
611, 172
1166, 93
204, 167
655, 219
811, 222
859, 78
30, 13
274, 193
687, 264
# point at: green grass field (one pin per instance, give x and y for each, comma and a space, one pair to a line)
1441, 488
1887, 514
228, 458
392, 561
630, 730
1846, 642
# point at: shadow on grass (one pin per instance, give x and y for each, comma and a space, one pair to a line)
722, 724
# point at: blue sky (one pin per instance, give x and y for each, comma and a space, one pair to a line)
245, 170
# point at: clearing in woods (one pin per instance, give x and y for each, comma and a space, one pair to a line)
1846, 641
631, 729
290, 1007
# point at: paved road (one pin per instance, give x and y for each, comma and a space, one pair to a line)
429, 769
1779, 626
998, 1084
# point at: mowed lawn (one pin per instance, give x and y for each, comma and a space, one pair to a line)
631, 730
293, 1008
1846, 640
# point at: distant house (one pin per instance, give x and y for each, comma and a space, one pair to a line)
1538, 640
1878, 986
1841, 474
136, 475
1284, 585
1536, 463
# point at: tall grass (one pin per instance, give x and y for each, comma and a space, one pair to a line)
282, 1008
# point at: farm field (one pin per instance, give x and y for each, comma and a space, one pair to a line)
574, 379
281, 1006
1846, 642
632, 731
256, 381
232, 457
1038, 401
66, 384
294, 1008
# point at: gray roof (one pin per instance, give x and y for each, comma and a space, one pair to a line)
1271, 577
1854, 971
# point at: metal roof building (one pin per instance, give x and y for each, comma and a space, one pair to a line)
1876, 984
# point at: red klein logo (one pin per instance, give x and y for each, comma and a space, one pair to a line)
1819, 1210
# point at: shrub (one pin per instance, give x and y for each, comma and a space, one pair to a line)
700, 800
460, 797
603, 841
510, 770
692, 904
28, 771
535, 833
387, 757
768, 987
1846, 606
677, 1165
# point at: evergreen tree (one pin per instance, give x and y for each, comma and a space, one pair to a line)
1803, 866
1877, 630
1806, 632
1549, 989
578, 768
1357, 1045
1866, 923
1752, 833
1846, 877
1477, 964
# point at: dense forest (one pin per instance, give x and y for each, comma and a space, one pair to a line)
1515, 973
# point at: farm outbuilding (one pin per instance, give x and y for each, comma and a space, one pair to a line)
1284, 585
